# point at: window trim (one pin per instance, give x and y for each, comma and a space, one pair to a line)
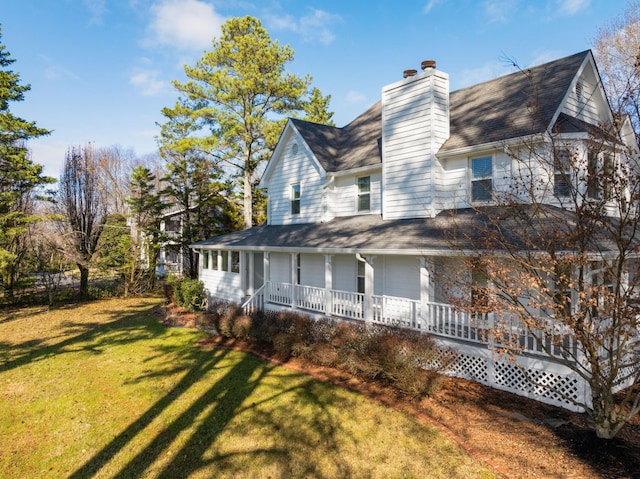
486, 177
294, 196
561, 172
361, 194
361, 277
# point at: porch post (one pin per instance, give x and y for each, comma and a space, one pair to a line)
328, 283
368, 289
266, 273
294, 281
250, 272
426, 266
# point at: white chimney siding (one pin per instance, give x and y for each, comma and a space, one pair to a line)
415, 124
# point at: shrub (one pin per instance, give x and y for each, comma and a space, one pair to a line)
190, 294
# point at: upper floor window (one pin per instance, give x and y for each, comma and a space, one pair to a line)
364, 193
561, 171
295, 199
481, 178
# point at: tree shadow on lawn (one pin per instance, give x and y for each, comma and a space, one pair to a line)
120, 327
214, 411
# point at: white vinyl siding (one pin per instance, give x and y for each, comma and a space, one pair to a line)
312, 270
415, 123
342, 195
223, 285
586, 102
280, 267
401, 276
290, 170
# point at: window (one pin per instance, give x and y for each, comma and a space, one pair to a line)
608, 177
295, 199
214, 260
360, 278
294, 149
592, 175
364, 193
481, 178
562, 164
562, 291
479, 291
205, 260
298, 269
225, 261
235, 261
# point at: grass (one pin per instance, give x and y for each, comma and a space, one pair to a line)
103, 390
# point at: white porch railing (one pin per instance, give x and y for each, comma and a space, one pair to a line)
440, 319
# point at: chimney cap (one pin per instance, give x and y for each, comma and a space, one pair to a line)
428, 64
409, 73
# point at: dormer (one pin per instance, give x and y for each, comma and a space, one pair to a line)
415, 124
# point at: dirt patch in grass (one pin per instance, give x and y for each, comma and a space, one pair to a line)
518, 437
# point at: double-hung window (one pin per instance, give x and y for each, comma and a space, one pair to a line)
481, 178
561, 172
360, 277
295, 199
364, 193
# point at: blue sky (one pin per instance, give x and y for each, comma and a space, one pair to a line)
101, 70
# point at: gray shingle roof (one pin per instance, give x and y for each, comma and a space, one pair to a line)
510, 106
519, 104
523, 227
352, 146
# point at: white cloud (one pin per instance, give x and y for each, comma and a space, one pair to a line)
354, 96
572, 7
183, 24
313, 27
147, 81
49, 153
97, 9
499, 11
431, 4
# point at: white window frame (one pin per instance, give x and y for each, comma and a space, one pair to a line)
562, 172
362, 194
295, 194
484, 176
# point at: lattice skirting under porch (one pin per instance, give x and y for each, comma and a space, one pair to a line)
481, 364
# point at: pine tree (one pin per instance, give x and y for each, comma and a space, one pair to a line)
19, 176
240, 92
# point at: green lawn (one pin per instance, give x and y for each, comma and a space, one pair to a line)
103, 390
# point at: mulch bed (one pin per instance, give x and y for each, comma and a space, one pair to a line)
518, 437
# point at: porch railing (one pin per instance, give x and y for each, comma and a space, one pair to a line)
436, 318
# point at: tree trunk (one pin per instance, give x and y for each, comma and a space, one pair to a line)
84, 281
248, 201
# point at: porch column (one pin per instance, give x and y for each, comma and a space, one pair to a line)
368, 288
426, 291
294, 280
250, 273
328, 283
266, 275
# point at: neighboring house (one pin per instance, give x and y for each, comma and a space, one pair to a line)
173, 257
358, 216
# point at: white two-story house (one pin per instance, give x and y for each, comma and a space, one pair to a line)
359, 216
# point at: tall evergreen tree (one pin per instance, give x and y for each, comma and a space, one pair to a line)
19, 176
193, 185
146, 211
240, 92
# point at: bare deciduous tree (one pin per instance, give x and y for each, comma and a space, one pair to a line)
82, 203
